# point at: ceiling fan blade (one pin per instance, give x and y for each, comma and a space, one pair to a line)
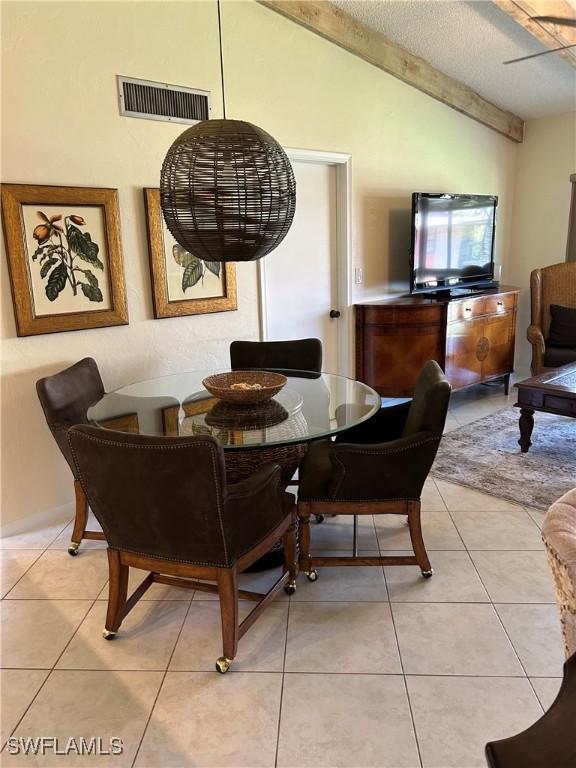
542, 53
560, 20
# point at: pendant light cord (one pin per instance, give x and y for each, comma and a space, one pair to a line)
221, 57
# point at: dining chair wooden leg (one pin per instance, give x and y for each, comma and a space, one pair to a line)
117, 594
80, 519
415, 526
305, 560
291, 556
228, 594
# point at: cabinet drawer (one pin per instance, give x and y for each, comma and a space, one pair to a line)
466, 309
430, 314
496, 305
560, 405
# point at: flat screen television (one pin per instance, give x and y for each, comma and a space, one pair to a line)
452, 242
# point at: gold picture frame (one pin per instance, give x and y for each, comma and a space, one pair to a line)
65, 257
174, 271
127, 422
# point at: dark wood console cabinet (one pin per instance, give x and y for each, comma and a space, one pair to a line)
472, 339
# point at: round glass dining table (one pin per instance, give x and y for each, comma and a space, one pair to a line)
310, 406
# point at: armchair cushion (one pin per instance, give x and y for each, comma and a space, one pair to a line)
386, 424
554, 357
562, 327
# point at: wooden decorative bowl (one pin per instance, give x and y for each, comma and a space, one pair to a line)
259, 386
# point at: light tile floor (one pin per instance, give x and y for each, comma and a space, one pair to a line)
365, 667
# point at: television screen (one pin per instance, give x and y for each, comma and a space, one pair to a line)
452, 240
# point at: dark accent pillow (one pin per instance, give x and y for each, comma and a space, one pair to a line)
563, 326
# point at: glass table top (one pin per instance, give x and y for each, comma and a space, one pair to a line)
310, 405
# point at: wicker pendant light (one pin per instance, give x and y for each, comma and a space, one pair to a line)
227, 191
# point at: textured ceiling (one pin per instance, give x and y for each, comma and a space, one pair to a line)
469, 41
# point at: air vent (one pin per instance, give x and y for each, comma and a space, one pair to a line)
160, 101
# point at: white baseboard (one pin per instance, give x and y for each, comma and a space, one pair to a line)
39, 520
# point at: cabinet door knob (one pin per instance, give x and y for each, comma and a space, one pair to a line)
468, 309
334, 313
500, 303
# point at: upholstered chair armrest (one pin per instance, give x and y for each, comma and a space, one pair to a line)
535, 337
559, 534
386, 424
253, 508
392, 470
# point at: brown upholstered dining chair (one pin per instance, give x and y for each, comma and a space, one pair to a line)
65, 399
378, 467
295, 355
298, 354
165, 508
553, 285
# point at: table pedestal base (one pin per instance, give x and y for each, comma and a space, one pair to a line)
241, 463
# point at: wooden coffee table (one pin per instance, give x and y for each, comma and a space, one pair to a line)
551, 392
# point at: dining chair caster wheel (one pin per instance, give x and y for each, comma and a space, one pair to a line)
312, 575
290, 588
223, 665
428, 574
319, 519
73, 549
108, 634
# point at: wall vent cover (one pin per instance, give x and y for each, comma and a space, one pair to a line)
160, 101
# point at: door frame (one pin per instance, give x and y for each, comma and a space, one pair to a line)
343, 165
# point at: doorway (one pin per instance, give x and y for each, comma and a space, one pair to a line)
304, 283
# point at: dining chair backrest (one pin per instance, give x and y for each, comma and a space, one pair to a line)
430, 403
65, 398
156, 496
297, 354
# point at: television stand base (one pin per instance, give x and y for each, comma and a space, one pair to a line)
471, 337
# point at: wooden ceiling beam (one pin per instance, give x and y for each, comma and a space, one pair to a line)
341, 29
550, 35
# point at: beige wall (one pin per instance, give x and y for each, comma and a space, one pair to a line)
542, 190
61, 126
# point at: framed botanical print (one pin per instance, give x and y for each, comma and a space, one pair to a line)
65, 257
183, 284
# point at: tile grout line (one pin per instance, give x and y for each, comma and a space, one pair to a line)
33, 549
25, 572
52, 669
415, 732
39, 549
153, 707
282, 685
498, 616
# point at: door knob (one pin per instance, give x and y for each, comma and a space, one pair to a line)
334, 313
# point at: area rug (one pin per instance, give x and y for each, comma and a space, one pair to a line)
485, 455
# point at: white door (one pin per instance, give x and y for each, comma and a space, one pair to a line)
299, 279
